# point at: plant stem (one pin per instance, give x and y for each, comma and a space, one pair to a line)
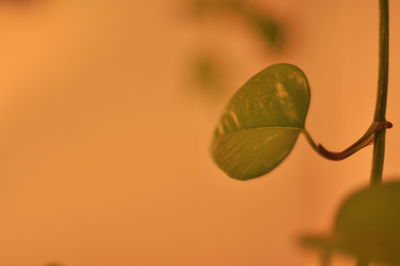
378, 156
380, 109
362, 262
377, 131
362, 142
326, 258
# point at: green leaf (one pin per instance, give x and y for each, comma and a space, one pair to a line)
262, 122
367, 226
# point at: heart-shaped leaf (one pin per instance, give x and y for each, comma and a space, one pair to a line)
262, 122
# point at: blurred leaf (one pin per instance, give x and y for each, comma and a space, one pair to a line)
206, 7
262, 122
367, 226
207, 75
55, 264
201, 7
269, 30
19, 2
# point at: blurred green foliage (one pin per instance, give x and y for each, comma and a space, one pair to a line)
207, 72
269, 29
366, 226
54, 264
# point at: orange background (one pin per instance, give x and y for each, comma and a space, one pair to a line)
104, 151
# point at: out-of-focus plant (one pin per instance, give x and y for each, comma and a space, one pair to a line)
260, 126
366, 226
207, 72
54, 264
17, 2
260, 22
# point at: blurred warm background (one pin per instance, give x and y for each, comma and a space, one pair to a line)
104, 133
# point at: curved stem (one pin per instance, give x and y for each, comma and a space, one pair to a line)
377, 131
362, 142
380, 109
